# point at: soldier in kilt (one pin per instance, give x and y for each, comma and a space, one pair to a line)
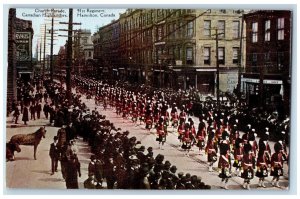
211, 150
187, 139
238, 155
201, 137
277, 164
224, 164
262, 167
248, 164
161, 135
181, 130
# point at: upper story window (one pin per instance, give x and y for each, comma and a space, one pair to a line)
254, 32
207, 55
236, 29
235, 55
267, 30
280, 28
207, 28
189, 55
190, 29
221, 28
221, 55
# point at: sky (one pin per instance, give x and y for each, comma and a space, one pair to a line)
91, 19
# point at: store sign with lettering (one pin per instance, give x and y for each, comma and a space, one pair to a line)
23, 44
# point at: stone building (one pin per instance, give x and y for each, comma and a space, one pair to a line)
172, 47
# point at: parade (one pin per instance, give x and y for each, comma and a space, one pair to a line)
123, 162
154, 99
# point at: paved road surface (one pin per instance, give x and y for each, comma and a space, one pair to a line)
26, 172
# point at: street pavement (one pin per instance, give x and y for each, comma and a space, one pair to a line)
27, 173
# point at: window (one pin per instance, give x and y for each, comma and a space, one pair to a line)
174, 29
189, 55
267, 57
170, 31
179, 53
90, 53
190, 29
254, 59
207, 56
235, 55
207, 28
280, 60
267, 30
236, 29
280, 29
221, 29
254, 32
221, 55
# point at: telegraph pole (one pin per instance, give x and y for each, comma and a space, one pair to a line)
240, 59
69, 56
51, 51
44, 62
218, 70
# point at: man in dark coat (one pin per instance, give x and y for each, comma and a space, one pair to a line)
32, 112
54, 154
46, 109
38, 108
72, 173
25, 117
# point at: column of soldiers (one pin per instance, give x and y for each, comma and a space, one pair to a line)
119, 160
223, 134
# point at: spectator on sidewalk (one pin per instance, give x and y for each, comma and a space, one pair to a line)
16, 114
25, 117
54, 154
46, 109
32, 111
38, 109
73, 172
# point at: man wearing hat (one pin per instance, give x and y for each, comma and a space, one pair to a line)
54, 154
248, 164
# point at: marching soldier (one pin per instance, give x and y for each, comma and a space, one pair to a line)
262, 166
248, 164
224, 164
211, 150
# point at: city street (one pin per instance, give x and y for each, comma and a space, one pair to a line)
25, 172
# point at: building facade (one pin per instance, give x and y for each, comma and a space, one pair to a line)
20, 34
266, 80
173, 47
83, 51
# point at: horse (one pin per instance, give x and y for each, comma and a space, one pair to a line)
30, 139
11, 147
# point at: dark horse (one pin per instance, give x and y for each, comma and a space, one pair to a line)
30, 139
11, 147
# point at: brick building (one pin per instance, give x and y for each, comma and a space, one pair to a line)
266, 80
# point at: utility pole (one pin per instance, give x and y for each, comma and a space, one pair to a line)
51, 51
218, 70
240, 59
69, 56
44, 62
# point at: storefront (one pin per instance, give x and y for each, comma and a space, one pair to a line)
271, 95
